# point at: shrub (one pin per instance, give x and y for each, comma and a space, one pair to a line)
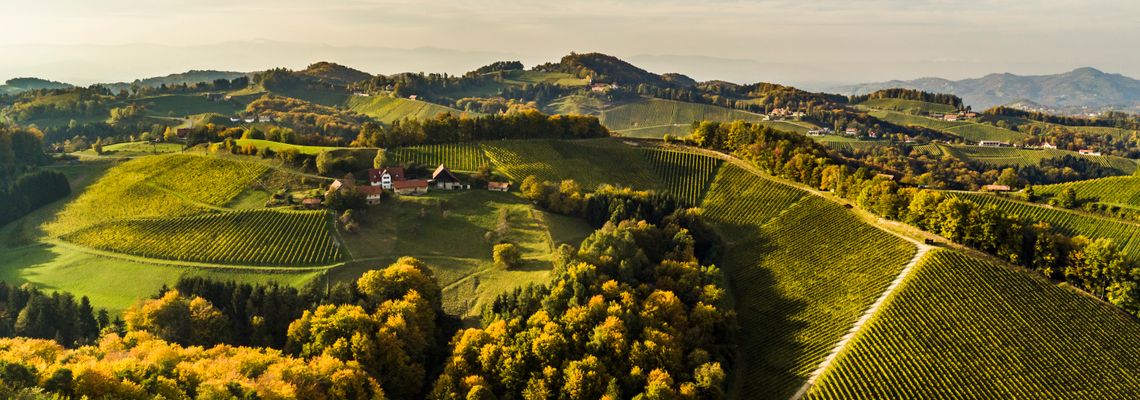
506, 255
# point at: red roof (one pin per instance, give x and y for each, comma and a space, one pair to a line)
311, 200
498, 185
410, 184
397, 173
443, 174
374, 175
371, 190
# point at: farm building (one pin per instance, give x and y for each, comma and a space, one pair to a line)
950, 117
996, 188
385, 178
499, 186
410, 186
413, 97
1088, 152
311, 202
970, 115
372, 194
1048, 145
442, 178
851, 131
264, 118
339, 183
991, 143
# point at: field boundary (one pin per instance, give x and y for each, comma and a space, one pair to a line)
923, 249
190, 264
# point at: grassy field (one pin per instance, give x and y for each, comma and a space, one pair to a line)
1010, 156
960, 327
262, 144
457, 156
849, 143
1116, 190
798, 283
589, 162
684, 175
181, 105
389, 109
1070, 222
653, 118
136, 149
971, 131
908, 106
454, 232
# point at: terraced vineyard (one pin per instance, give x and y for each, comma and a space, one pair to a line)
156, 186
589, 162
1009, 156
1119, 190
799, 281
252, 237
908, 106
457, 156
740, 199
1069, 222
684, 175
656, 117
964, 328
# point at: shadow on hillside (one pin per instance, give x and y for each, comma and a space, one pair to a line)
16, 263
768, 349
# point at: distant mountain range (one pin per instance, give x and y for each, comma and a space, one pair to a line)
1078, 91
189, 77
18, 85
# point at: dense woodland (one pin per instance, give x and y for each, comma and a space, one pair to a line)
910, 94
23, 185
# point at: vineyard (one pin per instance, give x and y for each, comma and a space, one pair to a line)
1120, 190
1010, 156
964, 328
457, 156
390, 109
740, 199
908, 106
1069, 222
589, 162
208, 180
253, 237
972, 131
684, 175
799, 280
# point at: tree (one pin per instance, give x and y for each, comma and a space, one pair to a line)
381, 159
1009, 178
506, 255
188, 321
1067, 198
98, 146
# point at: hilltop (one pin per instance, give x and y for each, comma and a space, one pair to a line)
1076, 91
18, 85
185, 78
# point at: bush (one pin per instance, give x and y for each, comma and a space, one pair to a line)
506, 256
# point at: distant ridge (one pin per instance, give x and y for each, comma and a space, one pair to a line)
1078, 91
189, 77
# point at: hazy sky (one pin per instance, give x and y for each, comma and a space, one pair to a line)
816, 41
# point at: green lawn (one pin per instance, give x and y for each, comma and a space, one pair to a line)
389, 109
278, 146
590, 162
653, 118
908, 106
972, 131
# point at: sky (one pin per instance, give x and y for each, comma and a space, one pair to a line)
806, 42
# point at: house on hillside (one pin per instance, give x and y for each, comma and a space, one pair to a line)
337, 184
387, 177
1088, 152
991, 143
851, 132
372, 194
361, 94
250, 120
996, 188
950, 117
1048, 145
499, 186
815, 132
264, 118
235, 119
414, 97
970, 115
410, 186
442, 178
311, 203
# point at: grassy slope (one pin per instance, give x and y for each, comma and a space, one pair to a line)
1116, 190
180, 105
972, 131
136, 149
908, 106
1009, 156
657, 117
589, 162
949, 329
278, 146
389, 109
798, 284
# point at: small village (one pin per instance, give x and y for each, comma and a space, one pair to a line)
395, 180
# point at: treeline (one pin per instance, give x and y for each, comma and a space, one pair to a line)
23, 186
376, 337
910, 94
28, 312
448, 128
1011, 237
306, 117
1111, 120
631, 313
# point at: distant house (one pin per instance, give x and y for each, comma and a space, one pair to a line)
264, 118
372, 194
410, 186
499, 186
361, 94
339, 183
389, 176
873, 134
991, 143
851, 132
413, 97
250, 120
1048, 145
815, 132
311, 202
442, 178
996, 188
936, 115
1088, 152
970, 115
950, 117
235, 119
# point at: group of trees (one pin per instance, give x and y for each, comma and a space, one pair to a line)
631, 313
308, 118
448, 128
23, 185
910, 94
1014, 238
28, 312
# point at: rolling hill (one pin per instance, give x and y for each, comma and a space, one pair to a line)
1076, 89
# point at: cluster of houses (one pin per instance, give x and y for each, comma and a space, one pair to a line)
252, 118
954, 116
396, 180
782, 113
1046, 145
